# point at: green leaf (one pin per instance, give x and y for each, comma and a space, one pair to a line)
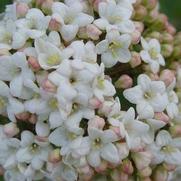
3, 3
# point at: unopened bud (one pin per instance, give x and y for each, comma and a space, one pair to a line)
46, 6
136, 36
21, 9
175, 130
33, 62
11, 129
102, 167
162, 117
167, 50
155, 34
124, 82
48, 86
146, 172
141, 159
150, 4
135, 60
33, 119
54, 24
23, 116
170, 28
97, 122
127, 167
95, 103
54, 156
167, 37
139, 26
93, 32
140, 13
160, 174
167, 76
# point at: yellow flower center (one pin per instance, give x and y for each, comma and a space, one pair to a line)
113, 46
2, 102
54, 59
153, 53
53, 103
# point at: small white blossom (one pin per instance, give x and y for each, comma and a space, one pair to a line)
151, 54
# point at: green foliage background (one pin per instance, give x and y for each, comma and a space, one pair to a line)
170, 7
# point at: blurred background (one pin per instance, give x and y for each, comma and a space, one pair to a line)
169, 7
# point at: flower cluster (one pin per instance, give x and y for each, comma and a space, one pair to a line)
89, 91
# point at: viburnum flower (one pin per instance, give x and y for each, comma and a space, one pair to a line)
149, 96
166, 148
114, 16
151, 54
115, 48
71, 18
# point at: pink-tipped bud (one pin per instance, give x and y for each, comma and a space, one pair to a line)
102, 167
162, 117
139, 26
124, 82
95, 103
46, 6
86, 173
48, 86
142, 159
160, 174
11, 129
97, 122
135, 60
33, 62
96, 3
54, 156
127, 167
123, 177
21, 9
167, 76
140, 12
175, 130
23, 116
93, 32
167, 50
136, 36
54, 24
170, 28
33, 119
146, 172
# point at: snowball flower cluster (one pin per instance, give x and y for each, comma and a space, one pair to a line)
82, 94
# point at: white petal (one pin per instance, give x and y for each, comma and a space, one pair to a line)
55, 120
102, 46
110, 153
42, 129
16, 86
94, 158
163, 138
101, 23
27, 138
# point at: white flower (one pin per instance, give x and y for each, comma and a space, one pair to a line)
166, 149
34, 24
114, 16
10, 37
32, 151
114, 48
103, 87
149, 96
8, 104
71, 19
50, 56
15, 69
130, 128
101, 145
151, 54
172, 107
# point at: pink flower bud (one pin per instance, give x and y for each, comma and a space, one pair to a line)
97, 122
141, 159
11, 129
170, 28
21, 9
167, 76
160, 174
93, 32
127, 167
146, 172
135, 60
86, 173
136, 36
139, 26
48, 86
46, 6
140, 12
54, 156
116, 130
23, 116
175, 130
162, 117
54, 24
123, 177
33, 62
124, 82
33, 119
102, 167
96, 3
95, 103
